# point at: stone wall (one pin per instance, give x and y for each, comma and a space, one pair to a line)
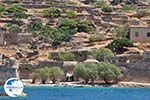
6, 73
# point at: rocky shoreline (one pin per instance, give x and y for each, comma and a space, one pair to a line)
74, 84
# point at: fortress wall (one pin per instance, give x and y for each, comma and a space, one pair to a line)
6, 73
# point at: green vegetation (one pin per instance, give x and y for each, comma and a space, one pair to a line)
41, 74
96, 37
128, 8
107, 8
121, 32
86, 71
16, 11
143, 13
119, 45
34, 27
109, 72
12, 27
54, 74
71, 14
102, 53
62, 33
67, 56
105, 71
85, 26
104, 6
52, 12
2, 9
68, 23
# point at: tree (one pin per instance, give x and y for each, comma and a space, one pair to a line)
102, 53
108, 72
92, 71
85, 26
35, 75
86, 71
119, 44
41, 73
55, 74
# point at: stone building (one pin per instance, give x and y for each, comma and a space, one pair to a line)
8, 69
139, 33
7, 38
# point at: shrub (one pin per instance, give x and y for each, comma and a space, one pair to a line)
119, 44
34, 27
17, 11
52, 12
107, 8
121, 32
85, 26
128, 8
108, 72
71, 14
67, 56
96, 37
102, 53
101, 3
69, 23
2, 8
11, 27
143, 13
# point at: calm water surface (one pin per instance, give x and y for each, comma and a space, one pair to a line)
51, 93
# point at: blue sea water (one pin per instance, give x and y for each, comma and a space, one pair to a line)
59, 93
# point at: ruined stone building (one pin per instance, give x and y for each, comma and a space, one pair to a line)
7, 38
139, 33
8, 68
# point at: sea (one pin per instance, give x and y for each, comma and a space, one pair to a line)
72, 93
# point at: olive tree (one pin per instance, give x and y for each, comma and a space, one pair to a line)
108, 72
55, 73
86, 71
41, 74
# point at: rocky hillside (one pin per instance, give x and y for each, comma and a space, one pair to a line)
71, 25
